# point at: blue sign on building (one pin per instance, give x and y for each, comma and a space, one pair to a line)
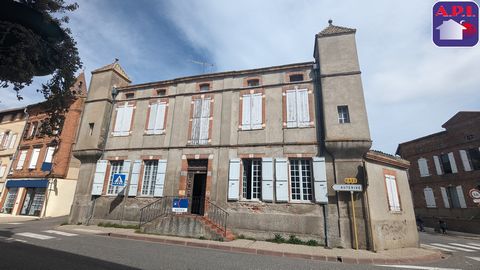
180, 205
119, 179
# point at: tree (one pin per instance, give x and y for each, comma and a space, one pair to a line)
34, 41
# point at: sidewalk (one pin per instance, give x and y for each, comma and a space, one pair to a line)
4, 218
397, 256
454, 233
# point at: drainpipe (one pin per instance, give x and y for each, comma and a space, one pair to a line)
370, 225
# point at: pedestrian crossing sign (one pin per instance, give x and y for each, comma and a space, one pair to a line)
119, 179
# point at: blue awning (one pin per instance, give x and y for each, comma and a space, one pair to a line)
27, 183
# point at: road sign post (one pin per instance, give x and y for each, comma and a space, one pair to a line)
352, 188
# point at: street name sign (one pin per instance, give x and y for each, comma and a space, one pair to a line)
119, 179
354, 188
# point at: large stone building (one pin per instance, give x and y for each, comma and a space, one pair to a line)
445, 167
44, 173
12, 123
261, 146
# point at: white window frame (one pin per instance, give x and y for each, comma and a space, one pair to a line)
252, 111
123, 119
343, 114
393, 196
21, 159
116, 166
34, 158
255, 180
423, 167
201, 121
150, 170
49, 154
304, 176
156, 118
298, 110
430, 198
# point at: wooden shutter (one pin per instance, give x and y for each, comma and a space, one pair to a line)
21, 159
423, 167
160, 118
393, 198
12, 141
246, 112
461, 197
160, 181
320, 180
256, 111
453, 165
267, 179
429, 198
437, 165
119, 121
303, 108
133, 185
49, 154
234, 180
2, 134
99, 177
125, 170
7, 140
3, 168
291, 109
465, 161
34, 158
127, 120
205, 121
446, 203
197, 114
281, 180
152, 118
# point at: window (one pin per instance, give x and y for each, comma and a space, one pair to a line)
10, 201
343, 115
34, 158
26, 131
296, 77
298, 113
423, 167
200, 121
90, 128
123, 120
115, 167
392, 193
253, 82
156, 118
149, 177
204, 87
129, 95
471, 159
6, 139
252, 111
453, 197
429, 198
49, 154
301, 180
252, 179
21, 159
161, 92
445, 164
3, 169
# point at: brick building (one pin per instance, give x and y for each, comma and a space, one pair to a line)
44, 173
256, 151
445, 167
12, 123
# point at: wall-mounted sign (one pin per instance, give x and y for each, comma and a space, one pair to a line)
474, 193
180, 205
350, 180
354, 188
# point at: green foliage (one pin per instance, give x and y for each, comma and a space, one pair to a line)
293, 239
115, 225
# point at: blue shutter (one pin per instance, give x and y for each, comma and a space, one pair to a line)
99, 178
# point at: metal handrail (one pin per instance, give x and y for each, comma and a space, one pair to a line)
155, 209
217, 215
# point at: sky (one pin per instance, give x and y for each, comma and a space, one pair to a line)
411, 86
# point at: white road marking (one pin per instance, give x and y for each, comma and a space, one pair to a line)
60, 233
14, 223
88, 231
447, 246
34, 235
16, 240
474, 258
465, 246
418, 267
473, 244
439, 248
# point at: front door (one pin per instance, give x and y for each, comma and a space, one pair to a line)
198, 193
33, 203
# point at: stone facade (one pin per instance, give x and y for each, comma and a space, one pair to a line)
264, 144
445, 167
44, 172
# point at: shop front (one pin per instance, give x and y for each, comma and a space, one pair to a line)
25, 197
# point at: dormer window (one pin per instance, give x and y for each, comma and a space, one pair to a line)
161, 92
253, 82
296, 77
204, 87
129, 95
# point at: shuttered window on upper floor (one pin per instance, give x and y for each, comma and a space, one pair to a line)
297, 108
200, 121
252, 109
423, 167
156, 118
123, 120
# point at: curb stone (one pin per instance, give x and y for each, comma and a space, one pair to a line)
348, 260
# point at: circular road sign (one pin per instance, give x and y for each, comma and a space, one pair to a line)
474, 193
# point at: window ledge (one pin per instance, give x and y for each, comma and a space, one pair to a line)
312, 126
302, 202
252, 129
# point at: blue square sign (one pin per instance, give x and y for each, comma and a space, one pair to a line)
119, 179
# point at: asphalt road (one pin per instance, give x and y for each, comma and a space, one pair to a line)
39, 245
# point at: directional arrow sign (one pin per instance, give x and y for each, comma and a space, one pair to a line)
355, 188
